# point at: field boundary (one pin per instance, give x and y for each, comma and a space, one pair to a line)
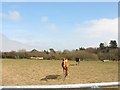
90, 85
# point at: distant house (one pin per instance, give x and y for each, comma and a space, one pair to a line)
106, 60
38, 58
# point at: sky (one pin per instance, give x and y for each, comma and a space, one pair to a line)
58, 25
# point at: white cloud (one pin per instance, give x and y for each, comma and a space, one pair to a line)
44, 18
53, 27
100, 28
93, 32
48, 25
12, 15
7, 44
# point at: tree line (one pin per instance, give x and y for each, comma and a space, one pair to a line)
103, 52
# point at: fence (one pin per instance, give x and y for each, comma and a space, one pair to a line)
91, 85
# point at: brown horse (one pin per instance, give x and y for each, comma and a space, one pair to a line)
65, 66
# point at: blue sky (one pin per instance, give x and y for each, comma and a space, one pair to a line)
60, 25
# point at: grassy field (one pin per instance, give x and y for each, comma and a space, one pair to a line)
40, 72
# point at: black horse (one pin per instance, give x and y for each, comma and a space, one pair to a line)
77, 60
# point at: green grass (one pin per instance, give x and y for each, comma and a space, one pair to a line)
39, 72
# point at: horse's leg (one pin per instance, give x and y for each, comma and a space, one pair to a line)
65, 73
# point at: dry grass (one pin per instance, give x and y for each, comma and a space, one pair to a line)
39, 72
